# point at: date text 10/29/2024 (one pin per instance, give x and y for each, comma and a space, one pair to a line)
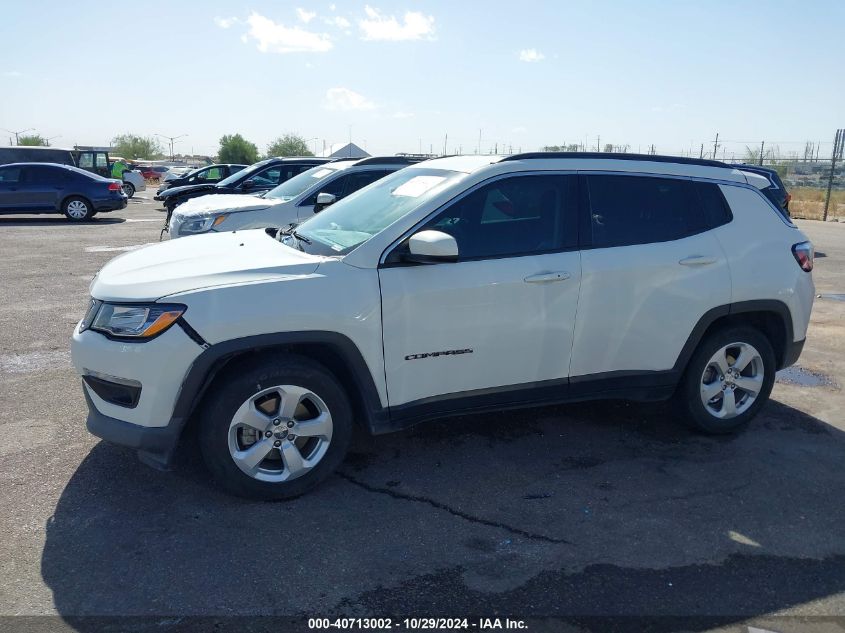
436, 624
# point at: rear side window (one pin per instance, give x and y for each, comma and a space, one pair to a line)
44, 175
715, 206
627, 210
10, 174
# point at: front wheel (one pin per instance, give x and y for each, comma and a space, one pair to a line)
78, 209
128, 189
275, 429
728, 379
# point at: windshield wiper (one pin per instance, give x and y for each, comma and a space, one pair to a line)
299, 236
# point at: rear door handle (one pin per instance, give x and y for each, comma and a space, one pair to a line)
697, 260
547, 278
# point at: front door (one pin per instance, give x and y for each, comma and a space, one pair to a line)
13, 189
498, 322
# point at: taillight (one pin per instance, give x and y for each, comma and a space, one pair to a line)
114, 186
803, 253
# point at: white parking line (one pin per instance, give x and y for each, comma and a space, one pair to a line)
143, 220
109, 249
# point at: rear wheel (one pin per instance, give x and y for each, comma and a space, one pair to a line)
275, 430
728, 379
128, 189
77, 209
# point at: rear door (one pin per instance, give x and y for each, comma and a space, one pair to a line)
651, 268
44, 186
10, 187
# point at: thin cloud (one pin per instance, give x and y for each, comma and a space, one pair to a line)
12, 73
275, 37
225, 23
403, 115
339, 21
305, 15
414, 26
344, 100
531, 55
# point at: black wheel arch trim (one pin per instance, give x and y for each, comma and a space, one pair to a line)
212, 360
740, 307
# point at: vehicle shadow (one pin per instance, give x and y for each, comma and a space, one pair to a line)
56, 220
596, 510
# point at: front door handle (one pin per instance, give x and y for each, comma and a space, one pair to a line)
547, 278
697, 260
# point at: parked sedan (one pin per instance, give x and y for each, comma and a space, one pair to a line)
210, 174
54, 188
257, 178
153, 172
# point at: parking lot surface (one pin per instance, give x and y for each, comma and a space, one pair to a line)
593, 509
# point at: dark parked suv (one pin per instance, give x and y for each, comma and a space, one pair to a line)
261, 176
776, 191
208, 175
54, 188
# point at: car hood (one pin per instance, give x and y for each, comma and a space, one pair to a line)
175, 191
219, 203
200, 261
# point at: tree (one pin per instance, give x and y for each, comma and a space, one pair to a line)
33, 140
133, 146
234, 148
289, 145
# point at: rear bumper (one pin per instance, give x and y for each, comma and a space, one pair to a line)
792, 352
155, 445
110, 204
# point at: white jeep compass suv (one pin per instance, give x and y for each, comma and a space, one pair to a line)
454, 285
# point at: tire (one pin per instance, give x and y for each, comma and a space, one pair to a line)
128, 189
706, 375
257, 399
78, 209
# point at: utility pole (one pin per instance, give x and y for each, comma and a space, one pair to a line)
598, 143
715, 145
17, 134
478, 149
701, 153
762, 145
172, 139
838, 145
445, 140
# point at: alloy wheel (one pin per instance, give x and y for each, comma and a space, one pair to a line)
280, 433
732, 380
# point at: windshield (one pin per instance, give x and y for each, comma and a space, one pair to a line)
355, 219
289, 189
244, 173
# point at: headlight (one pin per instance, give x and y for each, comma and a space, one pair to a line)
201, 225
141, 321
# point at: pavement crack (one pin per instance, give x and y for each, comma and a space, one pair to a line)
463, 515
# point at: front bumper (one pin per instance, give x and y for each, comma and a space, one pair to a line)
155, 445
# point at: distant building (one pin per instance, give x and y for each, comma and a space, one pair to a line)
343, 150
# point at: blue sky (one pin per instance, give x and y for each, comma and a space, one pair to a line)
405, 74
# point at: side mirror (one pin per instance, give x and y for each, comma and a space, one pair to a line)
431, 247
248, 184
324, 200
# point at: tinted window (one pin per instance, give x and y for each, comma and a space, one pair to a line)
513, 216
640, 209
361, 179
335, 187
10, 174
269, 177
713, 203
43, 175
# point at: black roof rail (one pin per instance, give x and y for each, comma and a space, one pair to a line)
654, 158
389, 160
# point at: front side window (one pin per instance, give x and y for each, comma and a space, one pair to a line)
334, 187
268, 177
86, 160
519, 215
626, 210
